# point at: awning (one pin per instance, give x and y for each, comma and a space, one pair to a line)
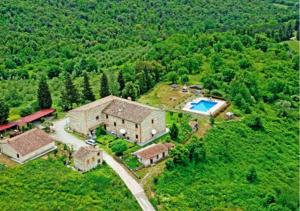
122, 131
153, 131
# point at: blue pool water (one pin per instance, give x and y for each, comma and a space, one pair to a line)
203, 105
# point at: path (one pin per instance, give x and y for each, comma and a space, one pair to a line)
135, 188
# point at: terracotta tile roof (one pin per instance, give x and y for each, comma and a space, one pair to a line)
30, 141
128, 110
94, 104
153, 150
83, 152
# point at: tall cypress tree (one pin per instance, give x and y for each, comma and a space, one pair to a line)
4, 112
104, 89
69, 94
87, 93
121, 81
44, 95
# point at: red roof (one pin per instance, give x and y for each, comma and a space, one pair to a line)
27, 119
7, 126
35, 116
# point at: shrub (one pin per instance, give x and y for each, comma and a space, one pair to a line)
255, 122
119, 147
174, 132
100, 131
251, 175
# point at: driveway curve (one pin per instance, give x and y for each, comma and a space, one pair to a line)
135, 188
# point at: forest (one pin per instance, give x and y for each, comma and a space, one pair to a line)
74, 52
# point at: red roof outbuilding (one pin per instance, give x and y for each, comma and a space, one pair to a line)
27, 119
7, 126
35, 116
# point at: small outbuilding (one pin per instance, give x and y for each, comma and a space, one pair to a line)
28, 146
229, 115
153, 153
87, 158
185, 89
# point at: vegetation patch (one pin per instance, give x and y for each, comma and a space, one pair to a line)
49, 185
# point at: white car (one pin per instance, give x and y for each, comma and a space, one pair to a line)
90, 142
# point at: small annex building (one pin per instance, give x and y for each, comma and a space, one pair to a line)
124, 118
153, 153
87, 158
28, 146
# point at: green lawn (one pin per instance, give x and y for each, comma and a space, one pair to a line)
49, 185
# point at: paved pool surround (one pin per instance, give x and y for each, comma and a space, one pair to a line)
216, 106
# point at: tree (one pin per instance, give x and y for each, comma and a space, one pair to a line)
87, 93
173, 77
184, 79
251, 175
174, 132
69, 94
4, 112
180, 155
130, 90
104, 90
255, 122
44, 95
118, 147
121, 80
196, 149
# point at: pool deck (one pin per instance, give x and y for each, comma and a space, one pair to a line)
211, 112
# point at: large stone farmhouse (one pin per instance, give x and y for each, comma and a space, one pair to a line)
125, 118
27, 146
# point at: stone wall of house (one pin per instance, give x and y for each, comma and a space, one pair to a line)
91, 161
77, 121
94, 117
115, 124
157, 121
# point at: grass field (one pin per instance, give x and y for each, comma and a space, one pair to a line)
49, 185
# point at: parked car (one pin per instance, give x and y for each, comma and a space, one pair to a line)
90, 142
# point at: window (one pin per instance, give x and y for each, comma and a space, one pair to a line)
115, 124
137, 136
98, 153
106, 116
157, 156
136, 126
99, 160
97, 118
18, 155
93, 159
152, 121
88, 162
123, 121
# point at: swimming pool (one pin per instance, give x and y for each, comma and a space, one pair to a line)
202, 105
205, 106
